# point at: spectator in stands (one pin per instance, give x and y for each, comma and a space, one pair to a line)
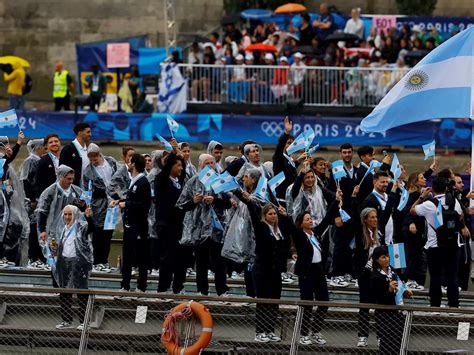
214, 39
374, 36
142, 105
324, 25
202, 84
260, 33
415, 33
96, 83
234, 34
390, 50
430, 44
355, 25
417, 45
280, 79
134, 83
14, 75
228, 42
405, 32
306, 30
297, 74
238, 72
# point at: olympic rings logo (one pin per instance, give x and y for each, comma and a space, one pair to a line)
272, 128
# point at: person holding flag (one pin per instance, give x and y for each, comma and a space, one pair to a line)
200, 231
252, 153
444, 217
10, 153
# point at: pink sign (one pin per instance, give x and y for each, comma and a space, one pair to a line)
383, 23
118, 55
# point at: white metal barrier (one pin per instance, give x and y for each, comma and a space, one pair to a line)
317, 86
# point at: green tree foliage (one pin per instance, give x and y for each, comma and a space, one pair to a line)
416, 7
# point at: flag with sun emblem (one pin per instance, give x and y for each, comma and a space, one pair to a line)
439, 86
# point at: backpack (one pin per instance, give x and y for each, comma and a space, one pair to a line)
28, 84
447, 234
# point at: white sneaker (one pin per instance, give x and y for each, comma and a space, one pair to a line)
190, 272
338, 282
348, 278
305, 340
356, 284
80, 326
155, 272
236, 276
164, 299
225, 295
413, 285
318, 339
273, 337
64, 325
210, 274
285, 279
262, 338
362, 342
444, 289
120, 296
134, 271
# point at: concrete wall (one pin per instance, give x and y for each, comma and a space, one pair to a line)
44, 31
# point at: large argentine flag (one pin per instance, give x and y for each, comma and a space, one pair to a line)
439, 86
172, 97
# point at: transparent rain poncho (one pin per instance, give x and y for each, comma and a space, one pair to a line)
312, 201
51, 204
28, 167
100, 199
15, 241
197, 223
119, 183
249, 165
73, 272
4, 214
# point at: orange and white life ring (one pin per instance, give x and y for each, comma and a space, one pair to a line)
184, 311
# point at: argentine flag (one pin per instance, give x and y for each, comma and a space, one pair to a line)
222, 182
439, 86
216, 224
403, 198
397, 255
338, 170
309, 137
8, 119
207, 175
374, 164
2, 164
395, 167
173, 90
400, 291
167, 144
276, 181
261, 191
172, 125
298, 144
344, 215
439, 216
111, 218
313, 149
429, 149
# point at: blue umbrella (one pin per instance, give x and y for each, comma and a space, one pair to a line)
255, 14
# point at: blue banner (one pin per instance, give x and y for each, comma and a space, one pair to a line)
329, 131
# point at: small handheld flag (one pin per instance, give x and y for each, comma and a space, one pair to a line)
309, 137
111, 218
261, 190
397, 255
344, 215
400, 291
374, 164
172, 125
313, 149
338, 170
403, 198
439, 216
216, 224
395, 167
167, 144
298, 144
8, 119
2, 164
207, 176
276, 181
86, 196
224, 183
429, 149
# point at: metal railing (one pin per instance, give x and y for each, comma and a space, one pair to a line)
316, 86
133, 324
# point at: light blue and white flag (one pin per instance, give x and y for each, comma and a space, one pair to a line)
395, 168
225, 185
374, 164
2, 164
400, 291
309, 137
397, 255
439, 86
86, 196
8, 119
261, 191
439, 215
403, 198
276, 181
173, 90
172, 125
111, 218
338, 170
313, 149
207, 176
216, 224
298, 144
168, 147
429, 149
344, 215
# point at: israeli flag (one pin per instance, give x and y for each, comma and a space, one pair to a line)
313, 149
439, 216
309, 137
344, 215
439, 86
397, 255
172, 125
403, 198
8, 119
173, 90
111, 218
276, 181
207, 175
216, 224
167, 144
298, 144
338, 170
2, 164
261, 191
429, 149
395, 168
400, 291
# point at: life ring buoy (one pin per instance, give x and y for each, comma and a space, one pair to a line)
185, 311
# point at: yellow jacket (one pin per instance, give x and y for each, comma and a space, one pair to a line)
15, 80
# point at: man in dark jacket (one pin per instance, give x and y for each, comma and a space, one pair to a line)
234, 167
135, 224
74, 154
48, 164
